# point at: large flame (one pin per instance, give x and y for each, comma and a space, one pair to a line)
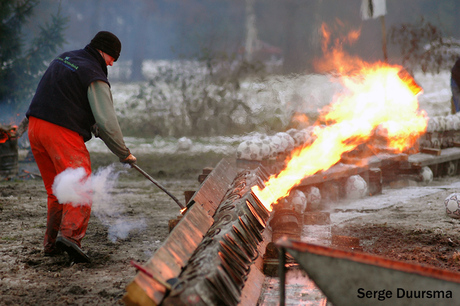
376, 98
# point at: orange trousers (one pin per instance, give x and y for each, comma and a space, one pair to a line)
55, 149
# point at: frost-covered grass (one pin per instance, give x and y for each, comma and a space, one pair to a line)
168, 145
192, 99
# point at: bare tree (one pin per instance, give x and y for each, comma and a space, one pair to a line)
423, 46
251, 30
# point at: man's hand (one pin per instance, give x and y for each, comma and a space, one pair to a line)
131, 159
95, 130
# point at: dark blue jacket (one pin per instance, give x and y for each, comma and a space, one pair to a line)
62, 94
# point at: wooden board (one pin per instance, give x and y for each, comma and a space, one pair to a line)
173, 255
256, 278
422, 159
214, 187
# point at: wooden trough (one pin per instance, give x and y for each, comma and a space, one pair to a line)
170, 259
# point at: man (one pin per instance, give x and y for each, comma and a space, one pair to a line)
455, 87
72, 100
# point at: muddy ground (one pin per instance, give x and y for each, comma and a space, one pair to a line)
413, 229
29, 278
416, 231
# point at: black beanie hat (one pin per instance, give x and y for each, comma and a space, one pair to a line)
107, 43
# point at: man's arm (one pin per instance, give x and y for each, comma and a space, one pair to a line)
101, 102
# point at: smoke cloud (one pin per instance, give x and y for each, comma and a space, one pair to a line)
75, 187
72, 186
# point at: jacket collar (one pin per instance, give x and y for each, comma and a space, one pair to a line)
98, 56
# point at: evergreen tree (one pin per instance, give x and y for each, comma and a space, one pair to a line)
21, 64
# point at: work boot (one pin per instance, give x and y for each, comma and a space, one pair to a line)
75, 253
51, 252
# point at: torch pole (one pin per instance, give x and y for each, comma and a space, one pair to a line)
158, 185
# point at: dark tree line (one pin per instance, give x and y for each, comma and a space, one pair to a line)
23, 61
202, 29
170, 29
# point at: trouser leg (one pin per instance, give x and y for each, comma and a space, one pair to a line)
56, 149
75, 222
53, 223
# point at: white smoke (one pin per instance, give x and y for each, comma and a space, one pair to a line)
121, 228
75, 187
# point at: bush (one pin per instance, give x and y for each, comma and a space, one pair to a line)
197, 98
22, 67
423, 47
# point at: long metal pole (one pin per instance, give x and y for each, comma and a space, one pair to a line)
158, 185
282, 275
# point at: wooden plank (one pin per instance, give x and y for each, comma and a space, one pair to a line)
214, 187
335, 172
344, 170
168, 260
252, 289
137, 296
386, 160
173, 255
422, 159
432, 151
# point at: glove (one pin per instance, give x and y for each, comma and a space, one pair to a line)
95, 130
131, 159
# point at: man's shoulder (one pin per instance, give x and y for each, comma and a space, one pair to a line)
72, 53
78, 60
79, 54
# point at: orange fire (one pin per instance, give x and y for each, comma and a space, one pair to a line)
375, 99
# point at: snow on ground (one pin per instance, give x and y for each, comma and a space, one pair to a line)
163, 145
435, 99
